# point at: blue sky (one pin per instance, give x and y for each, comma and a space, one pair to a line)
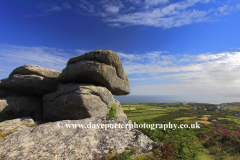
167, 47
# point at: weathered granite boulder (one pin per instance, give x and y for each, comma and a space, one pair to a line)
77, 101
16, 124
100, 67
30, 84
31, 79
57, 141
36, 70
16, 105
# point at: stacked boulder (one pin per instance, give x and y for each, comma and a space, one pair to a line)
84, 89
102, 67
21, 93
89, 82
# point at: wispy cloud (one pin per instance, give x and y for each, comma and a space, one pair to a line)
224, 10
157, 13
54, 9
81, 51
155, 2
12, 56
238, 6
44, 9
66, 6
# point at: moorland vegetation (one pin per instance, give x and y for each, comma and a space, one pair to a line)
210, 141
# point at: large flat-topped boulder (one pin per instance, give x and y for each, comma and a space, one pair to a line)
30, 84
36, 70
79, 101
16, 105
99, 67
67, 140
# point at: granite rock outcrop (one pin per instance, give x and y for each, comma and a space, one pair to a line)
100, 67
55, 140
79, 101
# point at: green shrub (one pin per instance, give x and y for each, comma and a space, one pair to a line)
113, 111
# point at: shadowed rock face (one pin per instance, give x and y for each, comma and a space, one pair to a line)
30, 84
100, 67
55, 141
20, 105
36, 70
79, 101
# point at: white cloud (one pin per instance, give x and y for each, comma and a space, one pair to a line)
155, 2
81, 51
215, 74
136, 2
66, 6
238, 6
220, 68
172, 15
112, 9
87, 6
113, 6
224, 10
156, 13
55, 8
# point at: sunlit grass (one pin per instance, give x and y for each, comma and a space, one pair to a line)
144, 117
127, 108
205, 122
205, 117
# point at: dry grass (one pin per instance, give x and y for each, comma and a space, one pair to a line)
185, 118
206, 122
205, 117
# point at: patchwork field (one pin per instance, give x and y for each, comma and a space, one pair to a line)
196, 119
233, 108
231, 118
140, 111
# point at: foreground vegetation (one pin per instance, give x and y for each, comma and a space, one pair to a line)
210, 141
